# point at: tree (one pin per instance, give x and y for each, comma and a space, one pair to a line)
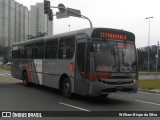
39, 34
5, 54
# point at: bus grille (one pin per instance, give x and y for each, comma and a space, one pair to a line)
117, 83
109, 90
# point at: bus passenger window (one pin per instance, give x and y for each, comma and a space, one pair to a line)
51, 49
22, 51
15, 52
66, 48
39, 50
29, 51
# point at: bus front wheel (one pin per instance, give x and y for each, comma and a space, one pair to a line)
66, 88
25, 79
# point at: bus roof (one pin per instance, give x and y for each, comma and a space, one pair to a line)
88, 31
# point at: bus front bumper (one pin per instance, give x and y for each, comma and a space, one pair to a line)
100, 88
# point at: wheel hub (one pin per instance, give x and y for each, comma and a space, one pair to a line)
66, 87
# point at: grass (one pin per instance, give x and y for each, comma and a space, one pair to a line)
148, 73
7, 68
149, 84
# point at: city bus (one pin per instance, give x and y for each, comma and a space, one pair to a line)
91, 61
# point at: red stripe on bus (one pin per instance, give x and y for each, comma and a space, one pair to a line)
28, 73
102, 76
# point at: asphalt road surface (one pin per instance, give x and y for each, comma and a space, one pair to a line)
16, 97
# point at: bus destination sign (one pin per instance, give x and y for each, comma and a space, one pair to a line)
113, 34
109, 35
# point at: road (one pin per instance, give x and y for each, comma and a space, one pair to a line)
16, 97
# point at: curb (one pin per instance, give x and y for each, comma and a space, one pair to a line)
150, 91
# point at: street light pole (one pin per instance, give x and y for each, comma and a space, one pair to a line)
148, 39
157, 59
69, 27
62, 8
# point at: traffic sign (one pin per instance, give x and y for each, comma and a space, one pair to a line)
61, 8
74, 12
60, 15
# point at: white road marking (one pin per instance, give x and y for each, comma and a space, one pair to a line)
147, 102
8, 74
8, 82
74, 107
148, 93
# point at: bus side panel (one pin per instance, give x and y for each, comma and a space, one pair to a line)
38, 70
63, 67
49, 77
19, 66
53, 69
30, 67
15, 70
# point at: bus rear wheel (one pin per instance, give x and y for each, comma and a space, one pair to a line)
25, 79
66, 88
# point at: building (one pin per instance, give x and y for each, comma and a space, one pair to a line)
14, 25
39, 23
14, 22
26, 22
4, 19
21, 22
11, 22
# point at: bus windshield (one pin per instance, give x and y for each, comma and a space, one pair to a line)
111, 56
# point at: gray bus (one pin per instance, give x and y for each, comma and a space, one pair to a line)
92, 61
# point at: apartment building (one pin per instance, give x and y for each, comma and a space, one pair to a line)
39, 22
14, 22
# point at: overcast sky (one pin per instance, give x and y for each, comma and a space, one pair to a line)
119, 14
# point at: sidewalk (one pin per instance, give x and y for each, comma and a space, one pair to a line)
156, 91
4, 71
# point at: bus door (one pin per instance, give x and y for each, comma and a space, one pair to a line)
80, 69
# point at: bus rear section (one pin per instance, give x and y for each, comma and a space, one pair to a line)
107, 63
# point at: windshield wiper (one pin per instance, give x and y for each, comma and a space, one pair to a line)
114, 54
123, 57
113, 51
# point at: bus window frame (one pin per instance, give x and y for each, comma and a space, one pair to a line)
39, 45
22, 48
53, 40
17, 50
74, 47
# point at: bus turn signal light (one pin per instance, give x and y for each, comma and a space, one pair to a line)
72, 67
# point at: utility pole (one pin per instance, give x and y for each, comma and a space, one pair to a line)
157, 60
149, 42
69, 26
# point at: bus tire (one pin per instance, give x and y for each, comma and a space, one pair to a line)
66, 88
103, 95
25, 79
